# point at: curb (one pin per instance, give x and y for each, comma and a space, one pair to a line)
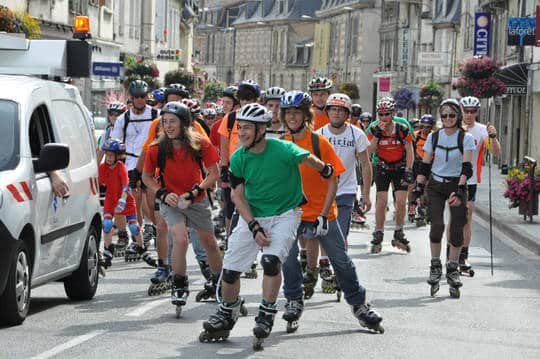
512, 233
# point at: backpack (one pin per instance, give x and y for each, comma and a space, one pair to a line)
230, 123
435, 141
127, 120
314, 143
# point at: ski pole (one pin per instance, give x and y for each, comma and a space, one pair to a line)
489, 195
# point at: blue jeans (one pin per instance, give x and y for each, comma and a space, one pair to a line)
345, 203
334, 245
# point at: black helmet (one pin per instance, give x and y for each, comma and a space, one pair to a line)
176, 89
230, 91
356, 110
248, 90
138, 87
179, 110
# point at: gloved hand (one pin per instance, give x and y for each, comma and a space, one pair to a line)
161, 194
121, 205
376, 131
321, 226
224, 174
408, 177
327, 171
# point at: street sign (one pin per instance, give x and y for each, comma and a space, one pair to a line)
537, 25
108, 69
384, 84
482, 33
432, 59
521, 31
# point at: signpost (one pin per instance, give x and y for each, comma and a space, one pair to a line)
432, 59
521, 31
482, 33
107, 69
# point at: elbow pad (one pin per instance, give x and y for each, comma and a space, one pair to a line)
466, 169
235, 181
424, 169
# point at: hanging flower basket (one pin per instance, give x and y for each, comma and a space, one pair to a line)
481, 88
478, 67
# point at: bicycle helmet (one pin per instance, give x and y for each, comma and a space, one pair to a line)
176, 89
356, 110
138, 87
220, 110
297, 99
178, 109
339, 100
116, 108
192, 105
320, 84
386, 104
113, 145
470, 102
253, 112
207, 112
364, 115
159, 94
427, 119
274, 93
248, 89
230, 91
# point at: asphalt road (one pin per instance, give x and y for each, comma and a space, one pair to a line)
496, 317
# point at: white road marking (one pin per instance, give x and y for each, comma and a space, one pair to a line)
229, 351
146, 307
70, 344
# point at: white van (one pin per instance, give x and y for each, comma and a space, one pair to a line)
45, 238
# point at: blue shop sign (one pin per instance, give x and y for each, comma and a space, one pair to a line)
521, 31
482, 33
109, 69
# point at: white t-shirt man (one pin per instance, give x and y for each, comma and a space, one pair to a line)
136, 134
480, 134
347, 145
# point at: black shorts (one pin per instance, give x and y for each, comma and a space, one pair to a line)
383, 178
471, 192
135, 179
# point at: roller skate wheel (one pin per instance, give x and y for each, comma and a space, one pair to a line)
292, 326
376, 248
102, 271
379, 328
200, 296
257, 344
243, 310
454, 292
338, 295
178, 311
471, 273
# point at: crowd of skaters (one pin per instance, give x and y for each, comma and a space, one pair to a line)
290, 171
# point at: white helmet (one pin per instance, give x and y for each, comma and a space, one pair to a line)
470, 102
386, 104
340, 100
274, 93
209, 112
254, 112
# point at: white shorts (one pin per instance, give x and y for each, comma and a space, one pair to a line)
242, 249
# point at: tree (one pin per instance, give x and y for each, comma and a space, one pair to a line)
141, 70
213, 91
404, 99
431, 95
183, 77
350, 89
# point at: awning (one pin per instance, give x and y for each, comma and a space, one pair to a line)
515, 78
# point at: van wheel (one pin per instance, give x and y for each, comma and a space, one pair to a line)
15, 301
82, 284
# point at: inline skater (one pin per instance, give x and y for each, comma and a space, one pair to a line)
271, 101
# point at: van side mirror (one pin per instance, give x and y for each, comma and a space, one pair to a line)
52, 157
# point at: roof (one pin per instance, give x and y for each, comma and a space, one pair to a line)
269, 10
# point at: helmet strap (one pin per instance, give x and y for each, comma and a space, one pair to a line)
298, 130
257, 138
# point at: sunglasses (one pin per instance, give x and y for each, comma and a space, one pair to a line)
385, 113
449, 115
138, 96
470, 111
114, 113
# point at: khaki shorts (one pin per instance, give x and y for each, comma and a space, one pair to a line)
197, 216
242, 249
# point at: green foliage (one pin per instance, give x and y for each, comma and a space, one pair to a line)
350, 89
431, 95
213, 91
183, 77
28, 25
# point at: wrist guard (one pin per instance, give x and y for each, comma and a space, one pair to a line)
466, 169
461, 193
224, 174
255, 227
408, 176
327, 171
198, 189
161, 194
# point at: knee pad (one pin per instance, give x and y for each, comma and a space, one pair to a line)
134, 229
230, 276
436, 233
107, 225
271, 265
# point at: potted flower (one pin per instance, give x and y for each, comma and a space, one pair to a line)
521, 189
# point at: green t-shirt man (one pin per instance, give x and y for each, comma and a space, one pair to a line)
400, 120
272, 182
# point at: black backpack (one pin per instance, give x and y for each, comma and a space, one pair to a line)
127, 120
230, 123
435, 143
314, 142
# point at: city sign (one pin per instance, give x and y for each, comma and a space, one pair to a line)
108, 69
537, 25
521, 31
432, 58
482, 33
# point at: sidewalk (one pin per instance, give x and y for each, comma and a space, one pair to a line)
506, 220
